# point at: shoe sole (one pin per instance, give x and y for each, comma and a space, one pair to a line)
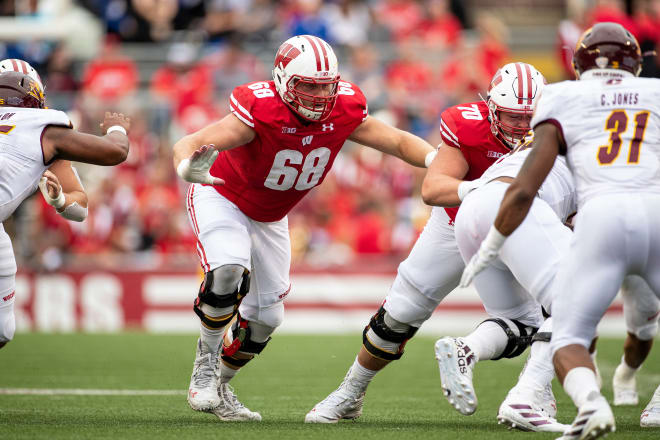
512, 423
321, 419
456, 388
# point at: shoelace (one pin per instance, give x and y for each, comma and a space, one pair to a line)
230, 398
205, 371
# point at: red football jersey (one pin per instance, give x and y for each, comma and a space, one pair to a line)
467, 128
288, 156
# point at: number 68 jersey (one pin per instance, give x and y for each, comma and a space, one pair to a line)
267, 177
612, 132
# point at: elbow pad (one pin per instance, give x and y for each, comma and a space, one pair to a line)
74, 212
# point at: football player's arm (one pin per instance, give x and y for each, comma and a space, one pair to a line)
195, 153
63, 190
445, 174
59, 142
518, 198
390, 140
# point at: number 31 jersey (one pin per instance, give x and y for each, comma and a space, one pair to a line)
612, 133
267, 177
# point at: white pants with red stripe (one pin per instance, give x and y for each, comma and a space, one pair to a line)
227, 236
7, 287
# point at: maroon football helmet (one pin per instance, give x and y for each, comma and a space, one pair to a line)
19, 90
607, 46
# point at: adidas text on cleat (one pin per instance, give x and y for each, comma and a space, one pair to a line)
594, 420
202, 393
456, 361
343, 403
231, 409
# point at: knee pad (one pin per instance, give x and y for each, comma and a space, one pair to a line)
7, 323
518, 334
239, 346
220, 294
385, 337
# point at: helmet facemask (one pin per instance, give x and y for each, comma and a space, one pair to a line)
514, 90
302, 64
311, 106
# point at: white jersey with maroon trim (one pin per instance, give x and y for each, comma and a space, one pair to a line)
612, 133
21, 156
558, 189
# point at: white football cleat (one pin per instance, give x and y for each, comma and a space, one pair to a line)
625, 391
651, 415
530, 411
343, 403
456, 361
202, 393
594, 420
231, 409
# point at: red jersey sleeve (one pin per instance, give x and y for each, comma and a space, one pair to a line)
242, 100
449, 128
352, 101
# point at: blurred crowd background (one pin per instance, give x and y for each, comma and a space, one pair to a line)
171, 65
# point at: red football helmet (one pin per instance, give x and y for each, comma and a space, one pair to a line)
515, 89
306, 59
607, 46
20, 90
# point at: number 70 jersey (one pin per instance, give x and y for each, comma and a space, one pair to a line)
267, 177
612, 132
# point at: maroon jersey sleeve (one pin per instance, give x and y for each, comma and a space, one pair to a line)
242, 99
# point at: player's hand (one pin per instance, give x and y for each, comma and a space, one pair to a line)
112, 119
51, 190
479, 262
487, 252
196, 168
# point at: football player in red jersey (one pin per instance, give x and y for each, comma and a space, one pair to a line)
248, 171
474, 135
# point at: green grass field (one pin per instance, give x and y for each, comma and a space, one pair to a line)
293, 373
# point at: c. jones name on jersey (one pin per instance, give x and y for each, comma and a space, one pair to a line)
618, 98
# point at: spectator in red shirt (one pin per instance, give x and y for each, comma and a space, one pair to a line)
109, 82
441, 28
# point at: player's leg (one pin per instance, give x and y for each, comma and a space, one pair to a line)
431, 271
650, 417
7, 289
516, 315
588, 280
640, 308
223, 246
260, 313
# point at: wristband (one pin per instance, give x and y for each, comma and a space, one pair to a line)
494, 240
429, 158
59, 201
118, 128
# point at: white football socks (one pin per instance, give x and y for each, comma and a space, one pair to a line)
212, 339
487, 341
361, 376
579, 383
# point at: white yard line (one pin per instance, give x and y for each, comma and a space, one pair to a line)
87, 392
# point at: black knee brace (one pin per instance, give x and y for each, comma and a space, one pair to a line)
241, 342
207, 296
378, 326
516, 345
